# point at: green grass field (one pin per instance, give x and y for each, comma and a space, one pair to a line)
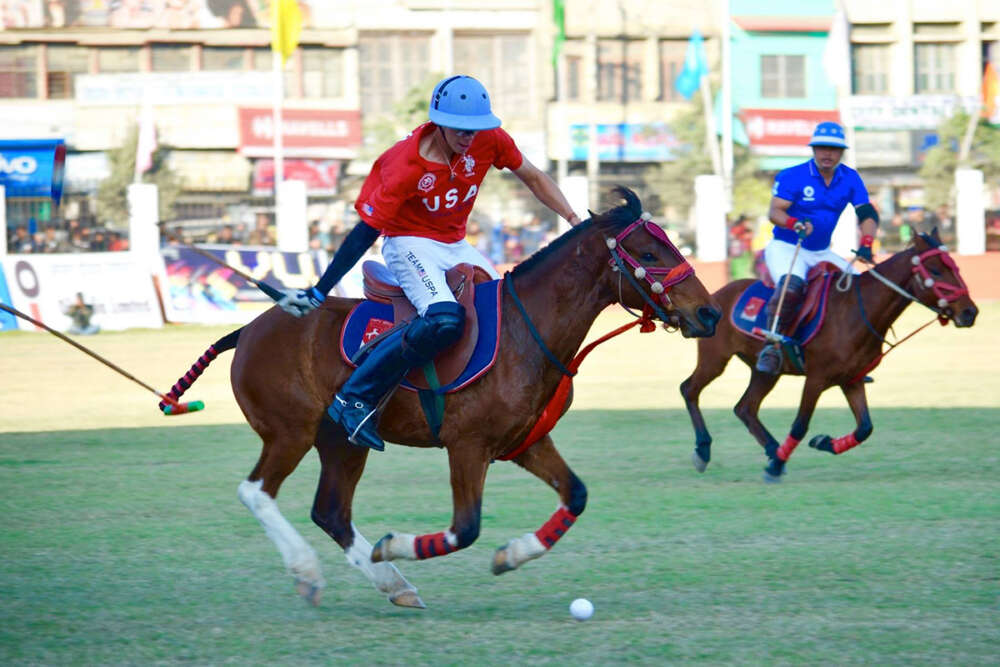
123, 541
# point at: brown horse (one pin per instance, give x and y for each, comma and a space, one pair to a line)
847, 347
286, 370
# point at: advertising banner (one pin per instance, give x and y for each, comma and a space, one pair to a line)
118, 287
200, 290
783, 131
910, 112
305, 132
7, 321
320, 176
625, 142
30, 168
146, 14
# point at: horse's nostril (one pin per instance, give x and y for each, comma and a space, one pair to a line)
708, 315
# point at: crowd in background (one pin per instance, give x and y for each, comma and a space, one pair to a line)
61, 237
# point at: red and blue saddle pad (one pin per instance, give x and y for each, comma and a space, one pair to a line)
750, 312
370, 318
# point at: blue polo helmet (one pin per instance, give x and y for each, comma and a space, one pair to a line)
462, 103
829, 133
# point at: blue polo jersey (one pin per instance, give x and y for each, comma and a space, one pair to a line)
813, 200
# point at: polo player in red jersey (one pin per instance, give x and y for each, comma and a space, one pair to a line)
419, 195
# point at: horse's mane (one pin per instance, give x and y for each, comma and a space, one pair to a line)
609, 223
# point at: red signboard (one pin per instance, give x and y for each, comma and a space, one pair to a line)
320, 176
305, 132
772, 128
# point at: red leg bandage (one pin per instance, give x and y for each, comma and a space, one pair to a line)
842, 444
555, 527
429, 546
787, 447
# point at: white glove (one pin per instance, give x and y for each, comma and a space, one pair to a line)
301, 302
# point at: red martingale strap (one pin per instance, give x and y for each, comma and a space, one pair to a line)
555, 527
554, 408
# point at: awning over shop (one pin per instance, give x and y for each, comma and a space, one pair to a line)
32, 168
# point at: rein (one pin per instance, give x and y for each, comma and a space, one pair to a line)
508, 280
945, 292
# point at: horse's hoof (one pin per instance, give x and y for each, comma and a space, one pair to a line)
500, 563
380, 550
699, 463
774, 470
822, 443
311, 592
408, 599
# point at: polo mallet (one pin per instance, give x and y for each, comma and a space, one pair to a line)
172, 407
773, 336
275, 294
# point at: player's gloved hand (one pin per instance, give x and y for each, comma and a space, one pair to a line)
865, 251
801, 227
301, 302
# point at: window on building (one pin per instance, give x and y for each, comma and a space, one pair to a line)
123, 59
934, 67
222, 58
870, 69
619, 70
390, 65
501, 62
574, 77
19, 71
322, 71
672, 54
62, 63
263, 61
171, 57
783, 76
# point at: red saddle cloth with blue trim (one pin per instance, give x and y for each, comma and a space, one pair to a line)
370, 318
750, 311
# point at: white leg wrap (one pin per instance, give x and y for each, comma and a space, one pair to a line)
298, 556
384, 576
400, 545
522, 549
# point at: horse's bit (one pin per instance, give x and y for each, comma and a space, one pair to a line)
660, 279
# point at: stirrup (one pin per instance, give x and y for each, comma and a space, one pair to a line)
360, 432
769, 360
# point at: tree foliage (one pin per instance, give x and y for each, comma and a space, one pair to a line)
112, 198
938, 170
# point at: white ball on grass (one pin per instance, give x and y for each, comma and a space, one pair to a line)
581, 609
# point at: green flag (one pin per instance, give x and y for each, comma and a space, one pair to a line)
559, 17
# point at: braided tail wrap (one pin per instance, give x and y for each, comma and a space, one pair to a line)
227, 342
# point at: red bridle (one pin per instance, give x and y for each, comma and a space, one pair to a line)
660, 279
945, 292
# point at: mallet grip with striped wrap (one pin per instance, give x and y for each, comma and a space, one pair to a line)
169, 405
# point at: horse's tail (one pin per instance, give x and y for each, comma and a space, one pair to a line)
227, 342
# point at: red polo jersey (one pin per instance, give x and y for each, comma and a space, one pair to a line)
406, 195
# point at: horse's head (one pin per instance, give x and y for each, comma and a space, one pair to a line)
658, 276
938, 283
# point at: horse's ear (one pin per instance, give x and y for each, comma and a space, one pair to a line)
591, 214
934, 235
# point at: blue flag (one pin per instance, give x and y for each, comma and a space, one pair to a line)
695, 67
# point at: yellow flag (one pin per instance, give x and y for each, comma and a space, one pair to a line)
286, 27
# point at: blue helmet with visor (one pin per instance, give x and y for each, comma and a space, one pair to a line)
829, 133
462, 103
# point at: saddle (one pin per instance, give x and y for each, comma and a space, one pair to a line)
749, 312
380, 286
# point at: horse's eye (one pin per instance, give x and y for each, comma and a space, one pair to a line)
648, 257
934, 271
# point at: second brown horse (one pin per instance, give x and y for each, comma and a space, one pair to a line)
285, 371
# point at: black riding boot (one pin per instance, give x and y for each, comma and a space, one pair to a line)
770, 358
355, 405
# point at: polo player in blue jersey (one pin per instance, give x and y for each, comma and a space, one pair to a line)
809, 198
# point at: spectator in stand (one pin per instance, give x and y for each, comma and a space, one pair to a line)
55, 241
118, 243
22, 241
98, 241
261, 234
78, 242
225, 235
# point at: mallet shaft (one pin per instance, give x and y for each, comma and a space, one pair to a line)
262, 286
